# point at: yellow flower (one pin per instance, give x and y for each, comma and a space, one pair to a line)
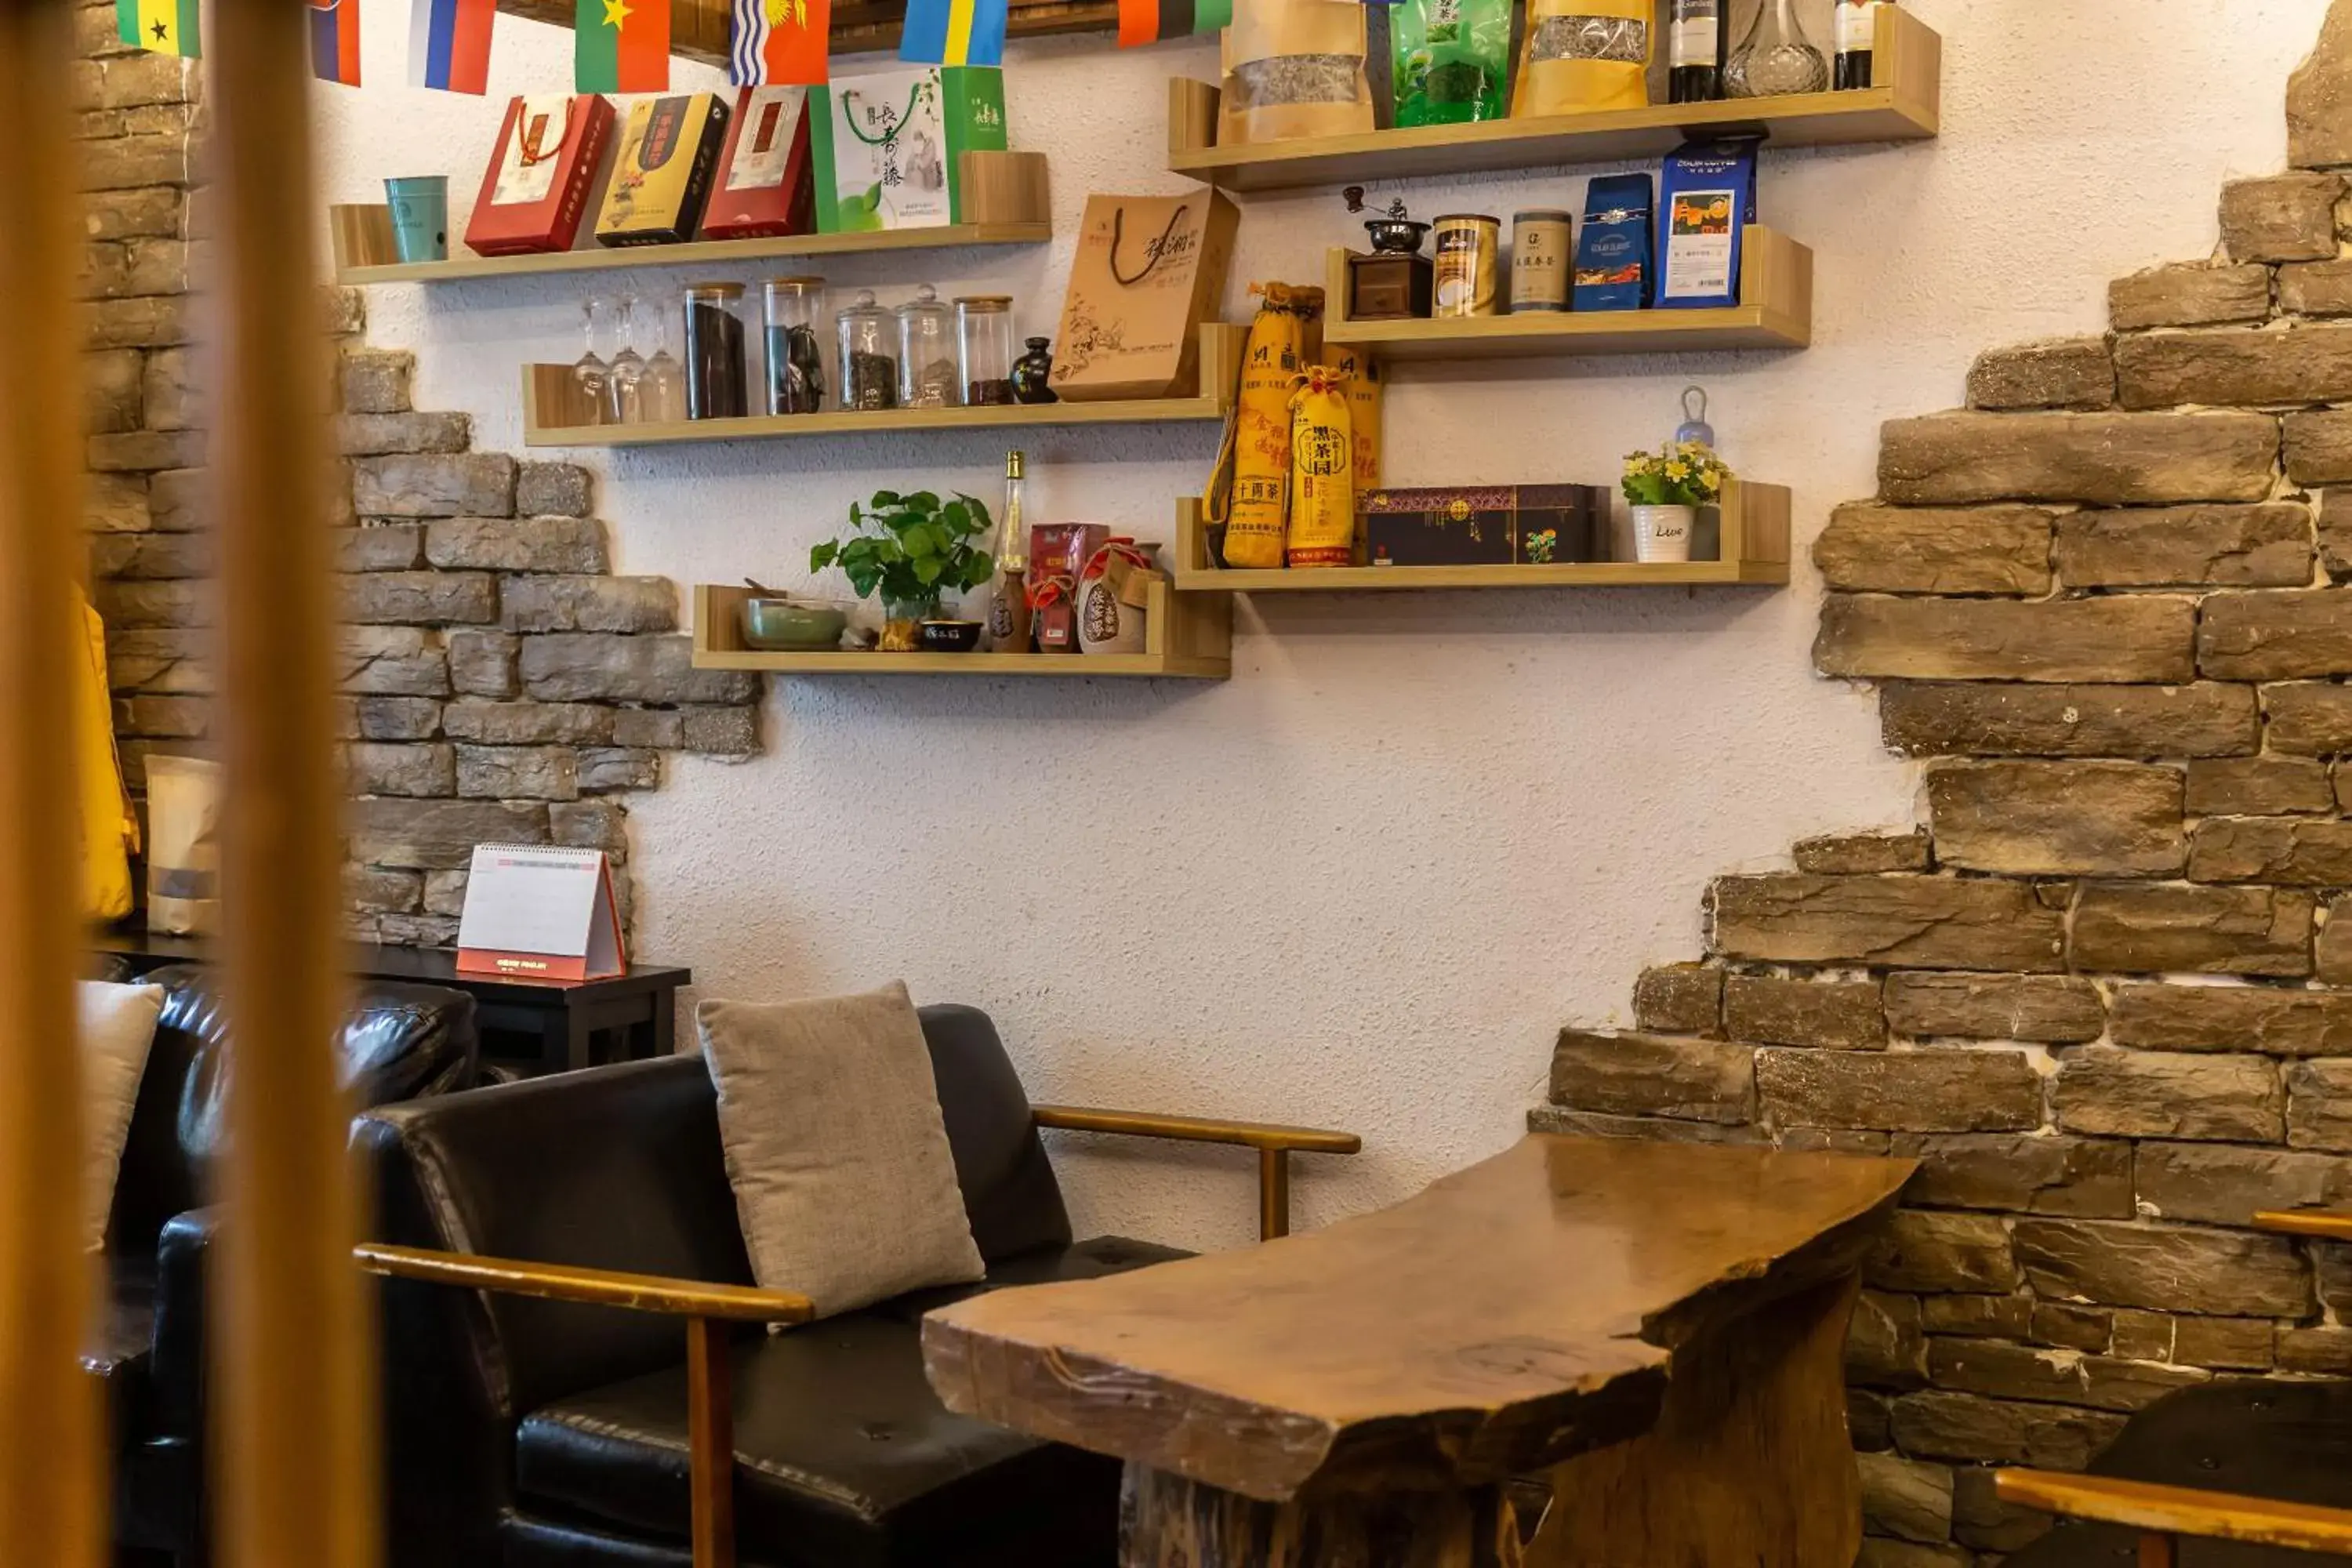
1678, 470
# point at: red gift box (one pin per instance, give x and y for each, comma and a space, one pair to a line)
537, 187
765, 184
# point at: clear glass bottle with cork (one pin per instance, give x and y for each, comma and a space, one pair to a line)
1009, 620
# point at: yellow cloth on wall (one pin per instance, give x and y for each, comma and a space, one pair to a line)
108, 828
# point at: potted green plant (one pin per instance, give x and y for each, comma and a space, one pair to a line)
913, 550
1666, 487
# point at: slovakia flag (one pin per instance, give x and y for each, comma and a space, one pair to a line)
449, 44
335, 41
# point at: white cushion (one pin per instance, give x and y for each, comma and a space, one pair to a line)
118, 1025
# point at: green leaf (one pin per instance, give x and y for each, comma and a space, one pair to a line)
923, 500
864, 577
881, 499
927, 571
957, 520
821, 556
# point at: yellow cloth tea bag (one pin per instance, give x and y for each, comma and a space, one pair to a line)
1260, 439
1584, 55
1360, 372
1322, 472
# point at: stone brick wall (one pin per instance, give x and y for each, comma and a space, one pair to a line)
501, 683
2105, 994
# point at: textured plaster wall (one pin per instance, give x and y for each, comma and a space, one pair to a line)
1364, 882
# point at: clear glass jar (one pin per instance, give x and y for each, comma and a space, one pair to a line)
926, 353
984, 347
869, 355
795, 357
716, 333
1776, 57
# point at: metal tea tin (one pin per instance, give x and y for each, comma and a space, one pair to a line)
1539, 260
1467, 245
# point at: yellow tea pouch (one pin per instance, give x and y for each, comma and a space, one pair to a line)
1322, 472
1260, 433
1584, 55
1361, 375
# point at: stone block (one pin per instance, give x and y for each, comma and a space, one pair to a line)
1905, 1499
2167, 1094
1870, 548
159, 660
133, 80
722, 732
125, 162
2216, 1183
2058, 819
582, 603
420, 598
2089, 1328
1922, 922
2019, 1173
2335, 534
133, 605
2065, 373
1870, 1420
607, 770
666, 728
2281, 217
1900, 1091
137, 324
1939, 1424
405, 769
2099, 460
1963, 718
1679, 999
2054, 1376
2277, 636
2272, 1020
379, 547
1862, 854
528, 723
2234, 367
392, 661
116, 503
2142, 1336
1883, 1345
2164, 1268
518, 772
2122, 637
521, 544
587, 667
2264, 546
2315, 288
482, 663
154, 213
2325, 1349
1832, 1141
416, 931
2224, 1345
342, 311
111, 380
429, 834
152, 557
2308, 717
2048, 1008
2123, 928
376, 380
464, 484
1653, 1075
163, 717
397, 717
376, 891
1924, 1250
379, 435
144, 451
444, 892
591, 825
554, 490
1838, 1014
179, 499
2318, 446
1644, 1128
2293, 851
1980, 1520
2319, 1105
1976, 1317
2332, 950
2319, 98
2189, 294
2259, 786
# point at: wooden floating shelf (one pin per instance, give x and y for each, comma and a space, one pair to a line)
1905, 105
1009, 205
1755, 550
1188, 638
1775, 312
553, 410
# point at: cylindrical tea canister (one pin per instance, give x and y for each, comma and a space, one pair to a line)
1467, 246
1540, 253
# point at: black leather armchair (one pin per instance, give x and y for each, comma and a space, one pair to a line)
148, 1349
529, 1429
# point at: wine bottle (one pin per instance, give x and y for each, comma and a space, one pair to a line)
1694, 51
1856, 33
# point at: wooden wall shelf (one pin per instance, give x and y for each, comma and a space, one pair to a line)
553, 410
1755, 550
1905, 106
1185, 637
1014, 207
1775, 312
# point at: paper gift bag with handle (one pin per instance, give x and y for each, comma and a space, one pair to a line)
1148, 271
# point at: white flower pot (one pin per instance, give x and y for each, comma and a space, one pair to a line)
1664, 532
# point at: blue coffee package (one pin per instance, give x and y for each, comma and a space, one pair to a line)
1612, 253
1707, 199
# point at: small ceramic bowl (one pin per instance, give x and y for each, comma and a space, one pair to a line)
951, 637
785, 626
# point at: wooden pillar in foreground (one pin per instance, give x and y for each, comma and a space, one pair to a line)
52, 1508
295, 1468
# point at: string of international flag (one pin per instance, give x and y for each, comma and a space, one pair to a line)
623, 45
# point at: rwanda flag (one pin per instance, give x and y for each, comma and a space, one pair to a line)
621, 45
953, 33
159, 26
1156, 21
335, 41
780, 43
449, 45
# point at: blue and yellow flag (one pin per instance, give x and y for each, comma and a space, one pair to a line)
159, 26
953, 33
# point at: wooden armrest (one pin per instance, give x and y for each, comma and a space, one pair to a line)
2306, 1222
1199, 1130
594, 1286
2180, 1510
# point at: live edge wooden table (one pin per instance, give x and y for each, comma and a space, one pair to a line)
1622, 1354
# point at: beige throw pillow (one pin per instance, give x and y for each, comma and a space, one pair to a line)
835, 1148
118, 1025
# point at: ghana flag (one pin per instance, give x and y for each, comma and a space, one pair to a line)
1155, 21
160, 26
621, 45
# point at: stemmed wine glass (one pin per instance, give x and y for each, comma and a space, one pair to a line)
661, 386
623, 401
591, 372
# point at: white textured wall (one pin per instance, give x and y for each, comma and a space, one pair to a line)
1363, 883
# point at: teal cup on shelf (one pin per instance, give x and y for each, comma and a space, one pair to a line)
420, 216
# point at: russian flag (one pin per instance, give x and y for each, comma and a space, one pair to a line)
335, 41
449, 44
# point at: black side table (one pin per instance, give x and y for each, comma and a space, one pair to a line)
532, 1026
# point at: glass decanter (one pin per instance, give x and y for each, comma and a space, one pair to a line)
1776, 57
624, 403
591, 370
661, 386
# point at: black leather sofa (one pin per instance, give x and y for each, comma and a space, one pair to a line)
148, 1351
530, 1432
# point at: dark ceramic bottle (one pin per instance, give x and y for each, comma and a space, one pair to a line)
1032, 372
